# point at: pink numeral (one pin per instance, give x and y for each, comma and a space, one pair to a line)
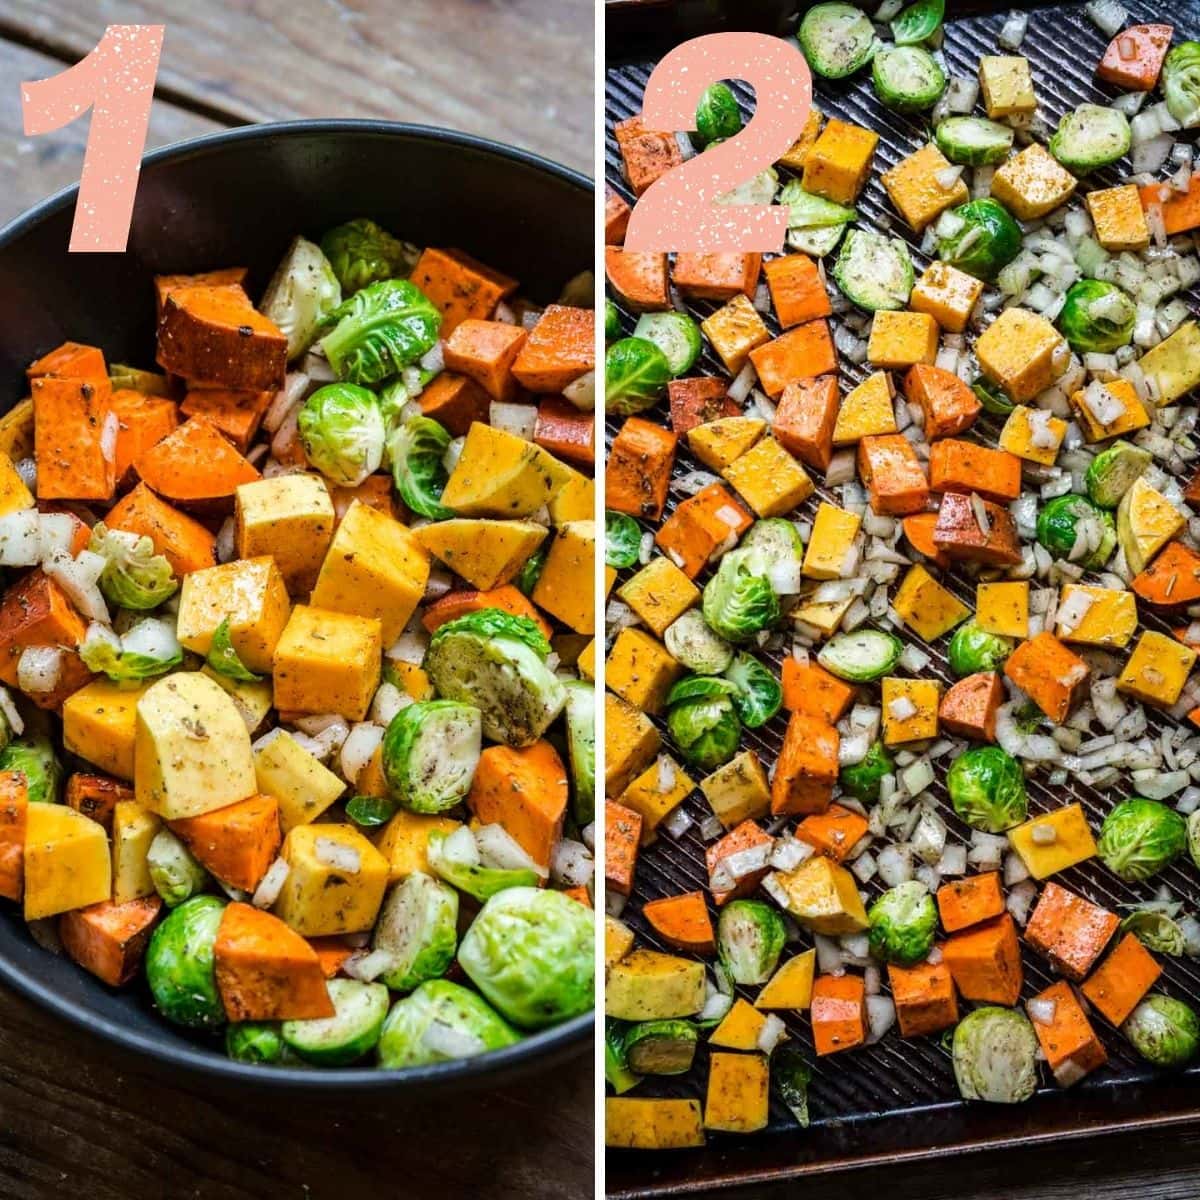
677, 211
115, 81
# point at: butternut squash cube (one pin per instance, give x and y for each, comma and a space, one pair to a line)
900, 339
290, 518
737, 1098
1157, 669
320, 898
719, 443
734, 330
1109, 409
565, 586
99, 724
300, 783
791, 985
486, 553
914, 185
738, 791
821, 895
1003, 608
501, 475
641, 671
14, 495
645, 796
1007, 86
659, 593
1119, 218
926, 607
327, 662
946, 294
67, 863
1052, 842
133, 829
1095, 616
740, 1027
828, 555
630, 742
910, 710
1022, 352
405, 840
641, 1123
839, 161
866, 410
1033, 434
1033, 183
770, 480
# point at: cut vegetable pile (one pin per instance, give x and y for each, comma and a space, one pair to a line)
934, 533
297, 722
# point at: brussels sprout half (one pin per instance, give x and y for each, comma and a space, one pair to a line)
380, 330
134, 576
873, 271
1164, 1031
837, 39
690, 642
416, 450
1065, 518
617, 1072
1114, 471
148, 649
1090, 137
717, 114
862, 779
979, 237
995, 1053
636, 373
664, 1047
352, 1031
418, 929
179, 964
441, 1021
455, 858
1097, 317
676, 334
759, 695
774, 548
706, 730
257, 1042
341, 430
612, 321
1181, 83
907, 78
972, 649
1140, 837
175, 873
224, 659
1155, 930
974, 141
918, 22
622, 540
790, 1076
750, 938
861, 656
987, 789
430, 751
361, 252
34, 756
903, 924
739, 600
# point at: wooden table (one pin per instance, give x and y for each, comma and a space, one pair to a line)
76, 1118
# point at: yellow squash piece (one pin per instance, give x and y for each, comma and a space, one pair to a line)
586, 663
133, 829
1172, 368
926, 607
1052, 842
575, 501
866, 410
1119, 218
770, 480
290, 518
659, 593
484, 552
641, 671
791, 985
738, 1093
14, 495
910, 710
824, 616
738, 791
734, 330
1007, 86
740, 1027
100, 724
16, 430
67, 863
1096, 616
618, 940
718, 443
821, 895
404, 842
1033, 183
946, 294
1157, 669
1003, 608
253, 698
327, 662
301, 784
645, 795
630, 742
564, 588
916, 188
501, 475
796, 157
1023, 353
1096, 409
1146, 522
1033, 434
831, 544
319, 898
900, 339
839, 161
646, 986
641, 1123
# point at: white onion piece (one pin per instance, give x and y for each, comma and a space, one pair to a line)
518, 419
271, 884
581, 392
361, 743
571, 864
295, 385
20, 538
39, 669
333, 854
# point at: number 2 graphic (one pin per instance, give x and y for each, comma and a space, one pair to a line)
677, 212
115, 81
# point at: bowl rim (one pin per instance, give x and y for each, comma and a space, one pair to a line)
544, 1047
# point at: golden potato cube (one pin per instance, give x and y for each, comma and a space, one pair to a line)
718, 443
866, 410
630, 742
133, 829
659, 593
405, 842
946, 294
565, 588
926, 607
1119, 218
321, 897
250, 594
1072, 842
99, 724
327, 662
900, 339
738, 1093
1157, 669
839, 162
645, 796
14, 495
289, 517
575, 501
1033, 434
641, 671
1109, 409
797, 155
300, 783
910, 710
501, 475
823, 615
66, 861
375, 567
770, 480
828, 555
1007, 86
739, 791
643, 1123
821, 895
1096, 616
1003, 608
1033, 183
915, 188
485, 552
1022, 352
734, 330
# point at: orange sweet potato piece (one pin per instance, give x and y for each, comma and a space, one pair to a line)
1172, 578
948, 403
1068, 1040
925, 998
71, 360
969, 708
805, 419
141, 422
485, 351
697, 401
800, 353
700, 526
958, 466
1049, 673
809, 688
807, 767
639, 469
525, 791
742, 837
331, 952
1135, 56
72, 421
1180, 210
970, 901
645, 153
236, 843
461, 286
14, 799
458, 604
579, 893
236, 414
265, 970
195, 466
622, 841
95, 796
797, 290
565, 431
889, 467
919, 530
616, 217
985, 961
833, 833
217, 335
228, 277
959, 536
1118, 984
560, 348
185, 543
110, 939
1069, 930
639, 278
716, 276
839, 1013
683, 922
36, 612
375, 492
454, 402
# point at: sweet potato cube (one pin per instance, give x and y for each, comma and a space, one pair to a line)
959, 534
233, 278
1052, 676
183, 542
565, 431
985, 961
805, 419
71, 360
1069, 930
95, 796
524, 791
14, 800
1067, 1038
110, 939
807, 767
745, 837
925, 998
236, 843
144, 420
639, 469
638, 277
834, 832
36, 612
560, 348
616, 217
970, 901
839, 1013
1134, 58
716, 276
698, 401
797, 290
889, 466
73, 421
809, 688
461, 286
487, 351
1117, 985
331, 953
235, 414
969, 708
947, 402
455, 402
681, 921
960, 466
195, 466
738, 1093
645, 153
800, 353
709, 521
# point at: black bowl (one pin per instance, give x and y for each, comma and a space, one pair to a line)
236, 199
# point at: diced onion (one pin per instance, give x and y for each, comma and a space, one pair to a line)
571, 864
271, 884
39, 669
518, 419
361, 743
498, 848
338, 857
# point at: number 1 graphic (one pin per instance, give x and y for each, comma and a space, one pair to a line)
116, 82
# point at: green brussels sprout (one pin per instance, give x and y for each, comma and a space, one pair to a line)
361, 253
974, 141
622, 539
224, 659
750, 938
495, 622
418, 929
862, 779
700, 687
907, 78
133, 575
1114, 471
257, 1042
455, 858
1156, 930
706, 731
617, 1072
612, 321
33, 755
774, 548
903, 924
861, 656
179, 964
1140, 837
529, 951
352, 1031
370, 812
442, 1021
873, 271
303, 291
581, 749
918, 22
759, 695
1181, 83
430, 751
810, 215
1092, 136
341, 430
992, 397
738, 601
837, 39
985, 238
379, 331
1059, 523
717, 114
790, 1076
663, 1047
676, 334
973, 649
416, 449
690, 642
1097, 317
987, 789
636, 374
995, 1053
1163, 1030
175, 873
531, 571
148, 649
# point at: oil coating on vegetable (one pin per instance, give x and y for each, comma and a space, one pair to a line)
987, 789
903, 924
418, 928
995, 1056
1164, 1031
1092, 136
441, 1020
1141, 837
